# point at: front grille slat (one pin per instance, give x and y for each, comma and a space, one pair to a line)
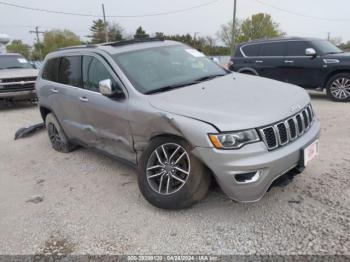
287, 131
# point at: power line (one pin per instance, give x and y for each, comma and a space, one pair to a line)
303, 15
110, 16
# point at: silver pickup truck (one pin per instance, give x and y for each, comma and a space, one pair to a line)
17, 78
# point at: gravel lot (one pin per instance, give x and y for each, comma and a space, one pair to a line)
84, 202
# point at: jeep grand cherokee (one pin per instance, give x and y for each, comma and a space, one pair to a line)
178, 117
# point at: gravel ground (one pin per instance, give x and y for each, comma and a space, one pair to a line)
83, 202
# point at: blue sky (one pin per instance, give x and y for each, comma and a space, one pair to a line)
204, 21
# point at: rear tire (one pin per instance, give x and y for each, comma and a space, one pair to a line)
162, 177
338, 87
58, 139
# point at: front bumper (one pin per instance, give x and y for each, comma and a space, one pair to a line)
19, 95
226, 164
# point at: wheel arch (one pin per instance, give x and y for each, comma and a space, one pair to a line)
248, 69
44, 111
333, 73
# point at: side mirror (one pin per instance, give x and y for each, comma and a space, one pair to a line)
310, 52
106, 89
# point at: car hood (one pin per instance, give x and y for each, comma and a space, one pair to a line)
17, 73
234, 102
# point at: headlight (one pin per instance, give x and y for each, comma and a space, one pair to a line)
234, 140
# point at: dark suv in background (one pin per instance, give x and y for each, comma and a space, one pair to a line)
308, 62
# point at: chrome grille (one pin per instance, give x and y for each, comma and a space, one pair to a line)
287, 131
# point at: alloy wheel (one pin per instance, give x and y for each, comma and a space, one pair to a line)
54, 136
340, 88
168, 168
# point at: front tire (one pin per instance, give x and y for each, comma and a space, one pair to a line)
170, 177
58, 139
338, 87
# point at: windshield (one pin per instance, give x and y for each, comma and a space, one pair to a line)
167, 67
326, 47
13, 61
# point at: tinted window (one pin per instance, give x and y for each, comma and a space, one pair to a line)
94, 72
273, 49
70, 71
50, 71
13, 62
251, 50
326, 47
297, 48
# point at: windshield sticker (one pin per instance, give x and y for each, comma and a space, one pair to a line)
22, 60
194, 52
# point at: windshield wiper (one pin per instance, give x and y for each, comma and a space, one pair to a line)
169, 87
175, 86
209, 77
12, 67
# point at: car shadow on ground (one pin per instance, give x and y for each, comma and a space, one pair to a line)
8, 106
318, 95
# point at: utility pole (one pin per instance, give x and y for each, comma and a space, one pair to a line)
104, 20
37, 32
234, 27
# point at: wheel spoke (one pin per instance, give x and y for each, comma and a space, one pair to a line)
179, 158
161, 183
177, 178
158, 157
156, 175
181, 170
173, 154
168, 184
164, 152
154, 167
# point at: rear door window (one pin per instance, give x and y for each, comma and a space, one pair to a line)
251, 50
50, 71
273, 49
297, 48
70, 71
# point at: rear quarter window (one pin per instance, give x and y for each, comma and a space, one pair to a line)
50, 71
251, 50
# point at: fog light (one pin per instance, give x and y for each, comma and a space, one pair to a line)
247, 178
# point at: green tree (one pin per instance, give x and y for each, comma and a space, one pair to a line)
17, 46
56, 39
225, 32
98, 32
140, 33
258, 26
115, 32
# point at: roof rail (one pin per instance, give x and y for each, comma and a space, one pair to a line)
134, 41
78, 46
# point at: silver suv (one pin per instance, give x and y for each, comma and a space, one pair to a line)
178, 117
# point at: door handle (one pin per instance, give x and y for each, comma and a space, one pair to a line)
259, 61
83, 99
289, 61
54, 90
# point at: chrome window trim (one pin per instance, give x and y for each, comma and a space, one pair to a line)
268, 42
